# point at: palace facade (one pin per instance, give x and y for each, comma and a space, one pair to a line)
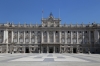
50, 37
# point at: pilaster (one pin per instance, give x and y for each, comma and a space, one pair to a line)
77, 37
42, 36
18, 37
65, 37
89, 37
24, 37
4, 36
48, 36
30, 37
54, 36
59, 36
12, 36
71, 37
83, 37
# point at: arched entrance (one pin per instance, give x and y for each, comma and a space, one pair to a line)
74, 50
50, 49
27, 50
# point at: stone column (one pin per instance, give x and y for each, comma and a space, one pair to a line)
24, 37
30, 37
4, 36
54, 36
48, 36
59, 36
83, 37
18, 37
98, 37
35, 37
41, 36
12, 36
89, 37
65, 37
77, 37
71, 37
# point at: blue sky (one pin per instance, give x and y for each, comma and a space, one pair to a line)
30, 11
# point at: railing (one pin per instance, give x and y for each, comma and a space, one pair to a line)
61, 25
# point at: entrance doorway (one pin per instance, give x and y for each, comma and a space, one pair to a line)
27, 50
74, 50
50, 49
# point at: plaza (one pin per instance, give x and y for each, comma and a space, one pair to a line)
49, 59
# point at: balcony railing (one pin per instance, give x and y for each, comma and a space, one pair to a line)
40, 25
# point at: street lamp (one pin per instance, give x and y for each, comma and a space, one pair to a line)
12, 47
89, 48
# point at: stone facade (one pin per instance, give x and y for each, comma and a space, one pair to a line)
50, 37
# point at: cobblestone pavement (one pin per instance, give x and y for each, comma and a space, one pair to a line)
47, 59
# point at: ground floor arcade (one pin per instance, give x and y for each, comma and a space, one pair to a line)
47, 48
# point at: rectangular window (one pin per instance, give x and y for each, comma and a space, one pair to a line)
32, 40
21, 40
27, 40
15, 40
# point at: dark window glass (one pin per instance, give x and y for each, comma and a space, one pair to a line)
85, 31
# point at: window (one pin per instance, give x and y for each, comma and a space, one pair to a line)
68, 32
32, 48
20, 49
62, 31
32, 40
91, 31
74, 40
79, 31
69, 40
21, 40
15, 40
0, 40
1, 30
27, 40
63, 40
85, 31
9, 31
56, 31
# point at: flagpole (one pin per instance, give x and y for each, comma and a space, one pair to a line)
59, 12
42, 13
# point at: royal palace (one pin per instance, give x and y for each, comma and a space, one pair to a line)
49, 37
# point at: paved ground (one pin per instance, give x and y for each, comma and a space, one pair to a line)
49, 59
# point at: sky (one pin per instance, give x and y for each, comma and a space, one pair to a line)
30, 11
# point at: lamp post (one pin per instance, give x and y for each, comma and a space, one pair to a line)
12, 47
89, 49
